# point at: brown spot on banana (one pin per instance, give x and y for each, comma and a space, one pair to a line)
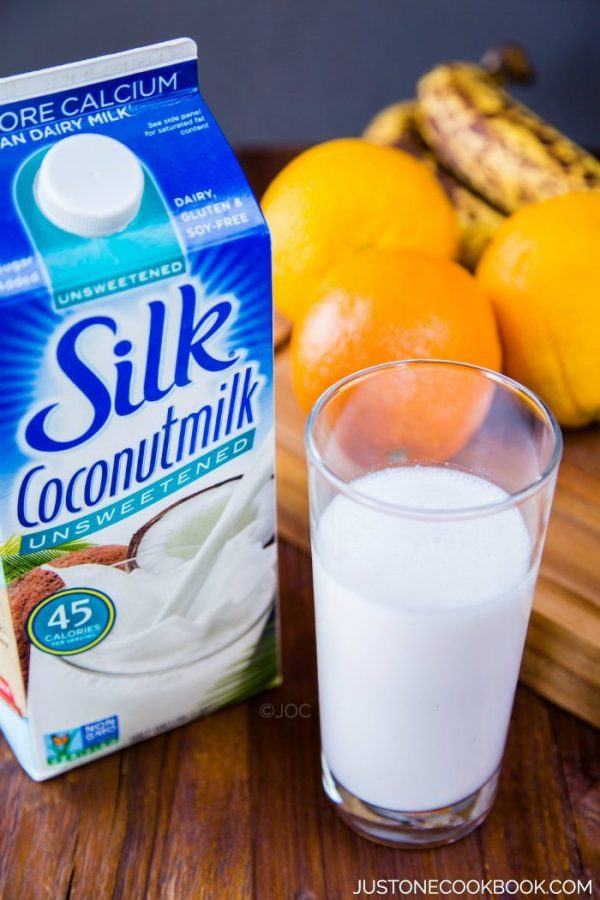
493, 143
395, 126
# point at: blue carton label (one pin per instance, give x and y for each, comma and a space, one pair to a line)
137, 507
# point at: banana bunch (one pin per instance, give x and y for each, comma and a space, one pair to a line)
397, 125
490, 153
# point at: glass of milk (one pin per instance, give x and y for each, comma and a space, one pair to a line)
430, 489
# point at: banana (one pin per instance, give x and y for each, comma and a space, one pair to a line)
493, 143
508, 63
395, 126
478, 219
391, 124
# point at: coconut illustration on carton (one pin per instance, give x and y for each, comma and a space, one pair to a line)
192, 592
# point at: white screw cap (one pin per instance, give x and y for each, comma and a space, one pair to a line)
90, 185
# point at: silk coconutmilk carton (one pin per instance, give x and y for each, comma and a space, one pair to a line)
137, 502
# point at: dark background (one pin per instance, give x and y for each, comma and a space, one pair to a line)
296, 71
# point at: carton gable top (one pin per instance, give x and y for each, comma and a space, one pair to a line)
149, 100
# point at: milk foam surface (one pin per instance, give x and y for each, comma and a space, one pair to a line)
420, 630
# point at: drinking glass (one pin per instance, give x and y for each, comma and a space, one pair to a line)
430, 484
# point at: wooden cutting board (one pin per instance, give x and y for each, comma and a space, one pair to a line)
562, 655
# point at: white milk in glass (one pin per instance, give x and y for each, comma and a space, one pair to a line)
420, 631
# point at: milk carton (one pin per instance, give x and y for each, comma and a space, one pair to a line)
137, 492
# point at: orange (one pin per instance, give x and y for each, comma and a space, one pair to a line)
383, 305
344, 196
542, 272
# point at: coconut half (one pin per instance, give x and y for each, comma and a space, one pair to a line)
172, 537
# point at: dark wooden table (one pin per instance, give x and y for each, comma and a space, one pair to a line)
231, 806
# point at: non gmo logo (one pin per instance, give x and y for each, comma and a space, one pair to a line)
71, 621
